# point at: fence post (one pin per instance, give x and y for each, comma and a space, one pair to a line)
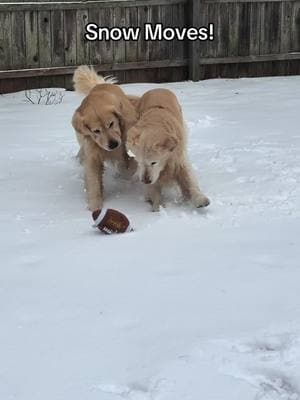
194, 17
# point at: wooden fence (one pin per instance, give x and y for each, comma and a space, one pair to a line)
41, 43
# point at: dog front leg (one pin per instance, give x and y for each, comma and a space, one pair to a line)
80, 155
93, 182
189, 187
153, 195
127, 168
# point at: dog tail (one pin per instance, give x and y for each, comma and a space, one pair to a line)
85, 78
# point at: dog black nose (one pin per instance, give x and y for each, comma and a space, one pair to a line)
147, 180
113, 144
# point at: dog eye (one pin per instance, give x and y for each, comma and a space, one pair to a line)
111, 124
97, 131
154, 162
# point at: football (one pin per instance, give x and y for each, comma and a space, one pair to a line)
111, 221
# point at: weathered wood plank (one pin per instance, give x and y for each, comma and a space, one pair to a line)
244, 36
143, 46
44, 43
295, 27
178, 45
266, 36
119, 53
223, 37
95, 46
18, 48
212, 46
31, 43
194, 46
82, 45
294, 68
285, 34
131, 47
57, 45
233, 44
285, 24
275, 29
154, 47
5, 40
31, 39
166, 49
107, 47
254, 35
70, 25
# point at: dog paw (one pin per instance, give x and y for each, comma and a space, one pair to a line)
155, 207
200, 200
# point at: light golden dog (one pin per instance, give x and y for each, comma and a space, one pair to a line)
158, 142
101, 123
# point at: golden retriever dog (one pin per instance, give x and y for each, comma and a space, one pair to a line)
101, 123
158, 142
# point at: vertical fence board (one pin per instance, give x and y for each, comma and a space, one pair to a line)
131, 47
212, 46
275, 29
82, 45
285, 34
18, 47
57, 45
5, 41
154, 47
254, 34
119, 47
143, 48
266, 36
5, 49
178, 45
295, 28
107, 48
244, 36
45, 44
203, 45
294, 68
31, 43
166, 46
95, 46
18, 39
223, 35
233, 36
70, 27
31, 39
194, 46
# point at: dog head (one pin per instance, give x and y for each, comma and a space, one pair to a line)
152, 150
101, 121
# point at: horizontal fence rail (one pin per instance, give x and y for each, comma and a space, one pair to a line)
42, 42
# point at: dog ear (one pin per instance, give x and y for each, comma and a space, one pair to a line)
169, 143
126, 113
118, 114
133, 136
79, 124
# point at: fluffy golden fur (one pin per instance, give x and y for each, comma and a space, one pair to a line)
101, 123
158, 142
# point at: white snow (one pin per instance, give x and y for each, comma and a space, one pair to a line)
195, 304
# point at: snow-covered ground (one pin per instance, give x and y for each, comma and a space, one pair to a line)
195, 304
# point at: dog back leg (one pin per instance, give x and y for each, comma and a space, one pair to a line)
189, 187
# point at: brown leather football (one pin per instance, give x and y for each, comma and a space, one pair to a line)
111, 221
